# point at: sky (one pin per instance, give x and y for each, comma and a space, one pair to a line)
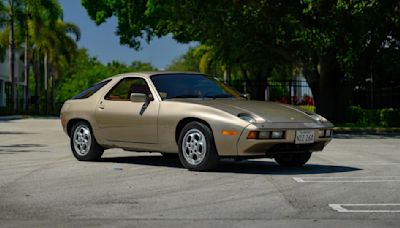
102, 42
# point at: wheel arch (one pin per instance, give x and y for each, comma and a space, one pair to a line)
71, 123
181, 124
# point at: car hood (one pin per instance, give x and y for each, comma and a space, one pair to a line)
269, 111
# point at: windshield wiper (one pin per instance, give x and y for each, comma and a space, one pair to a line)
223, 95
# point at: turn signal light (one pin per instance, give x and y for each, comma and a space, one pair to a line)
252, 135
226, 132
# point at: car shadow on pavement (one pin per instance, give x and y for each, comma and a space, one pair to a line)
15, 133
242, 167
145, 160
272, 168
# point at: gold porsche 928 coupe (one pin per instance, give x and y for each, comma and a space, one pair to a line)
191, 115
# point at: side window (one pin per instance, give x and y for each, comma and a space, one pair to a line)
122, 91
90, 91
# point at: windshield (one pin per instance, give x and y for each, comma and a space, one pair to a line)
192, 86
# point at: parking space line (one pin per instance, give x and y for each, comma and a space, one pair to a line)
373, 163
342, 208
370, 163
367, 179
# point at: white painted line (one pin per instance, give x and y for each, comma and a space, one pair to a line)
377, 163
368, 179
298, 179
341, 208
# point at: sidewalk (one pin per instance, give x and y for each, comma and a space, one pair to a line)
372, 130
12, 117
18, 117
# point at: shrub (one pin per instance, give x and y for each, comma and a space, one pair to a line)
353, 114
390, 117
373, 117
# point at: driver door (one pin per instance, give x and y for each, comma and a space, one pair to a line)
128, 124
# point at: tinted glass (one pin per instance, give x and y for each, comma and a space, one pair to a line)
91, 90
122, 91
192, 86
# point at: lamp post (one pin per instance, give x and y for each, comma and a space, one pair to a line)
371, 79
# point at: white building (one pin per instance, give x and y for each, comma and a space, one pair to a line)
5, 78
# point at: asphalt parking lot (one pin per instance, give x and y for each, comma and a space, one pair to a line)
355, 182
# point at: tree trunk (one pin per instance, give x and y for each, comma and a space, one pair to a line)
26, 73
330, 90
12, 62
37, 81
227, 74
46, 81
246, 79
257, 84
260, 84
53, 91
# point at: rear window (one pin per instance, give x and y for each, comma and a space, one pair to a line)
91, 90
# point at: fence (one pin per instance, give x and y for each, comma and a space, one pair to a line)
297, 92
377, 98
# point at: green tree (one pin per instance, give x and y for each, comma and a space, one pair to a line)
142, 66
35, 14
84, 71
326, 38
42, 30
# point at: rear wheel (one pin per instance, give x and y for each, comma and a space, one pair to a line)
83, 143
293, 160
197, 148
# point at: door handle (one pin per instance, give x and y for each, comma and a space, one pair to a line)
101, 105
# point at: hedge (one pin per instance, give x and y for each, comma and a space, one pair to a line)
388, 117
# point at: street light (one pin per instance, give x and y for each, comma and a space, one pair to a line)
371, 79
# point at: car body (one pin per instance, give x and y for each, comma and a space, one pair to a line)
151, 112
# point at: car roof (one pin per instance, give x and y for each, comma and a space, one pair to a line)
148, 74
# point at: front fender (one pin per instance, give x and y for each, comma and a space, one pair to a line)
172, 112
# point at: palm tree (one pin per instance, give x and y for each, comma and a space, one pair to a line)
66, 34
57, 44
39, 14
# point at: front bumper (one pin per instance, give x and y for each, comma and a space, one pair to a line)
257, 147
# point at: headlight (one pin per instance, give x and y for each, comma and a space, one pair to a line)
247, 118
318, 118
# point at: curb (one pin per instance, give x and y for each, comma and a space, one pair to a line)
13, 117
19, 117
348, 130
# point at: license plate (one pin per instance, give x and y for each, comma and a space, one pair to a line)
304, 137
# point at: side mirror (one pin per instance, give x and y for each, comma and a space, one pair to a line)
246, 95
163, 95
138, 97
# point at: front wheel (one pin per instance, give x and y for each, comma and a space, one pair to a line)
197, 150
293, 160
83, 144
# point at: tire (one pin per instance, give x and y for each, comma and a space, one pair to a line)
197, 150
170, 156
83, 143
293, 160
